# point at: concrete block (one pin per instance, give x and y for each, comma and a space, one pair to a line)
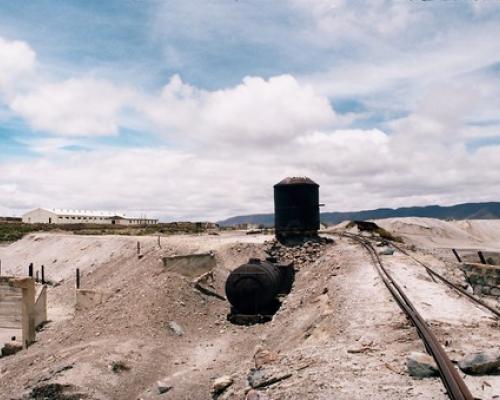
191, 265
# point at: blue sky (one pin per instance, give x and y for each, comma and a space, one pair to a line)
192, 110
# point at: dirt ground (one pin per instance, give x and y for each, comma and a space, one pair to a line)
337, 335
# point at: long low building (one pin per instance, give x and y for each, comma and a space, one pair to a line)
59, 216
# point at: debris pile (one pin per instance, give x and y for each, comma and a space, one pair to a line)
300, 253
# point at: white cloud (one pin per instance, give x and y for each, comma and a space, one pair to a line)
76, 107
16, 60
338, 20
256, 112
357, 169
231, 145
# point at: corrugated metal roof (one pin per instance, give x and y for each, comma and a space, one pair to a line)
89, 213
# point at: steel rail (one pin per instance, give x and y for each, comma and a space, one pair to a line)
454, 384
447, 282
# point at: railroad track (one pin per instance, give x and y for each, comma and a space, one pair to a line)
458, 289
454, 384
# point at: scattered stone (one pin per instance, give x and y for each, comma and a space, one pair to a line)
481, 363
163, 387
259, 377
220, 384
388, 251
300, 253
11, 348
175, 328
421, 365
358, 350
118, 366
56, 391
256, 395
263, 356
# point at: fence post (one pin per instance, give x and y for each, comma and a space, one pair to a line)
78, 278
456, 255
481, 257
30, 270
138, 248
43, 274
36, 276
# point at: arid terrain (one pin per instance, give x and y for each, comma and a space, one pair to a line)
337, 335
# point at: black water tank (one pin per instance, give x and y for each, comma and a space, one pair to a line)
296, 206
253, 287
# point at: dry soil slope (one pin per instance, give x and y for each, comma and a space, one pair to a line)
338, 333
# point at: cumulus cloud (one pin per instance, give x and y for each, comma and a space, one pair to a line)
16, 60
343, 19
257, 111
355, 168
76, 107
229, 146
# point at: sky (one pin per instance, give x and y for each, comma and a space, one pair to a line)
193, 110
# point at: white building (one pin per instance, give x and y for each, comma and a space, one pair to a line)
55, 216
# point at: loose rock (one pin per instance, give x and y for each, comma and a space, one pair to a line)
388, 251
481, 363
222, 383
11, 348
175, 328
263, 356
256, 395
421, 365
163, 387
260, 377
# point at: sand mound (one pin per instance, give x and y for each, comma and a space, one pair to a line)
429, 232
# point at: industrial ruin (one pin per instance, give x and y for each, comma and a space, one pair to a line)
403, 308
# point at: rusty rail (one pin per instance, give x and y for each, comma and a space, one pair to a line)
454, 384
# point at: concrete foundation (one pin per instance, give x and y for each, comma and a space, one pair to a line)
17, 306
190, 266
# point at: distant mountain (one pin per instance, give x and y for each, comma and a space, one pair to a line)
459, 211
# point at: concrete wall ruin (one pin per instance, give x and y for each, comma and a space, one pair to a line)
191, 265
484, 278
17, 306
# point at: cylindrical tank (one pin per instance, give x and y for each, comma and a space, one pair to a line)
253, 287
296, 207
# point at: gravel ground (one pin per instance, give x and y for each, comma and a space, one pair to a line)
337, 335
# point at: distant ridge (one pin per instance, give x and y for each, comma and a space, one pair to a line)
460, 211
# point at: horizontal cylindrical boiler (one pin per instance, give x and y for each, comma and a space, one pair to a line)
253, 287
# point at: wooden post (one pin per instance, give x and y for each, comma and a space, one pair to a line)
78, 278
43, 274
30, 270
456, 255
138, 248
0, 267
36, 276
159, 241
481, 257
